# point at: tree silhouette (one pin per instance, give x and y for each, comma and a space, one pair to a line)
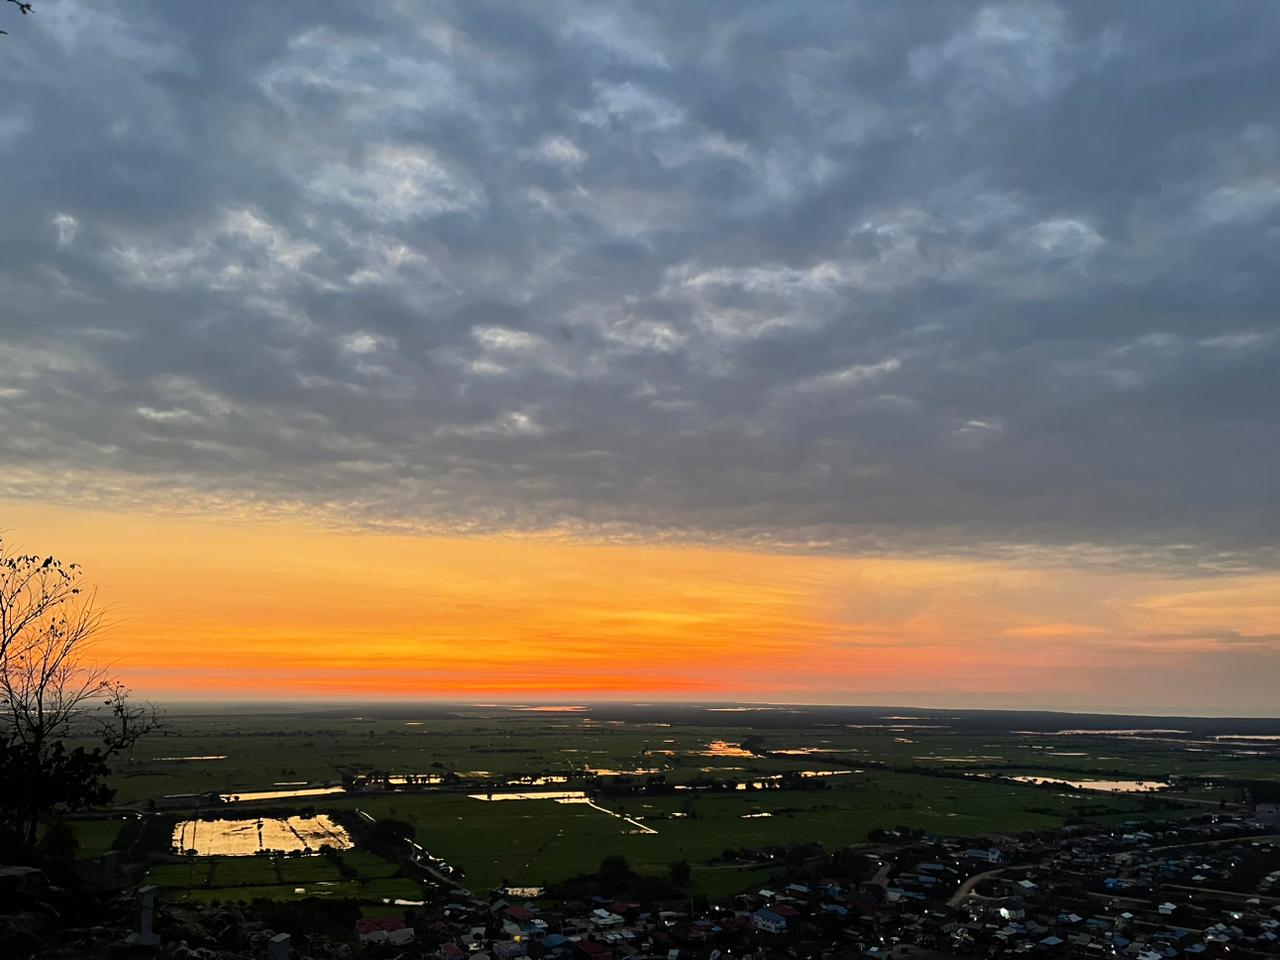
22, 5
51, 694
680, 872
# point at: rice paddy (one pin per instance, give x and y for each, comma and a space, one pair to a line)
252, 836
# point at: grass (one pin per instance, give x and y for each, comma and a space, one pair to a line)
96, 836
279, 878
536, 842
262, 750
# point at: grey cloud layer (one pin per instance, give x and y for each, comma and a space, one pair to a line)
918, 276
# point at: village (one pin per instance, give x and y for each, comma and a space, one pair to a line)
1207, 888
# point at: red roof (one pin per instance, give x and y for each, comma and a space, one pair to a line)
453, 950
372, 924
592, 948
519, 913
782, 910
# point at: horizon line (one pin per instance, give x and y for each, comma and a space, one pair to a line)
574, 704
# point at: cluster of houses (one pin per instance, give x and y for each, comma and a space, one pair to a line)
1088, 892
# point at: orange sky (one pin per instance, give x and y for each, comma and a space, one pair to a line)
229, 609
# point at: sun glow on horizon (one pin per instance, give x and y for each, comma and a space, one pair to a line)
218, 610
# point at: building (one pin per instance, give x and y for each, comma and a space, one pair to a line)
768, 921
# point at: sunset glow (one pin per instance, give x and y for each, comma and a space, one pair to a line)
222, 610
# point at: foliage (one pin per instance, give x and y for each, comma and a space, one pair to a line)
50, 692
681, 873
614, 879
59, 840
391, 833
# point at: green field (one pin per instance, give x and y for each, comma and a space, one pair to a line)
939, 773
96, 837
534, 842
263, 750
285, 878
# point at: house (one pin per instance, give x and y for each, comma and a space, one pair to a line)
450, 951
1013, 909
1026, 888
1268, 813
769, 921
988, 854
384, 930
1167, 909
552, 945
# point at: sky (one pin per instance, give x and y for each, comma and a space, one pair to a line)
827, 352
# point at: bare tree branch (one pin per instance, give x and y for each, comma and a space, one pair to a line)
22, 5
48, 686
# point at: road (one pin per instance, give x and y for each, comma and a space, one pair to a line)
966, 888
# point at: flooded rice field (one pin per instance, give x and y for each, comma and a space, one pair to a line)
1088, 732
248, 795
1105, 786
243, 838
722, 748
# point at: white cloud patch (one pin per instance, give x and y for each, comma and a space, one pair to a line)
848, 377
514, 423
1015, 53
238, 251
631, 105
558, 150
1065, 239
1240, 203
66, 227
393, 183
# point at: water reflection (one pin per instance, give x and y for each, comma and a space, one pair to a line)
240, 838
1106, 786
248, 795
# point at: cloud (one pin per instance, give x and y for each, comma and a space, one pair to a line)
395, 183
995, 278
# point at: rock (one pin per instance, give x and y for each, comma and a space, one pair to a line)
23, 880
22, 934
